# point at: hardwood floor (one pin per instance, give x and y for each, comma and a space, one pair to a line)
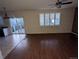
46, 46
8, 43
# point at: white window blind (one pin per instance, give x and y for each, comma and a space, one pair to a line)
49, 19
42, 19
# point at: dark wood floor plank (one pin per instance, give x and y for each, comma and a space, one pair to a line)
46, 46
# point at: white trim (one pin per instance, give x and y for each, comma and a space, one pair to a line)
47, 33
75, 33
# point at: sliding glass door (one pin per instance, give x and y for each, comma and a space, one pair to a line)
17, 25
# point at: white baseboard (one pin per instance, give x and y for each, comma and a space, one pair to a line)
75, 33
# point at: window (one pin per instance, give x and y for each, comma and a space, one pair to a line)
1, 21
49, 19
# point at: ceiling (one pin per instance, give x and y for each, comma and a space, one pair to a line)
30, 4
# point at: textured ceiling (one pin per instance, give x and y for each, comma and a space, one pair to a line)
30, 4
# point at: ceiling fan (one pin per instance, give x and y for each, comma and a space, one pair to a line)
58, 4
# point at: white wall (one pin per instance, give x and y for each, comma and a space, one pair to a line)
31, 20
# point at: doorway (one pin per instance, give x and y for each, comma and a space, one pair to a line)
17, 25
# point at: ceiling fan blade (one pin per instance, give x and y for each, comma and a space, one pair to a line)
66, 3
64, 0
51, 4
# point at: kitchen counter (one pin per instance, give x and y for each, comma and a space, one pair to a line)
1, 27
1, 57
3, 31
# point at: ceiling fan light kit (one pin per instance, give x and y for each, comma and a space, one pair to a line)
5, 14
